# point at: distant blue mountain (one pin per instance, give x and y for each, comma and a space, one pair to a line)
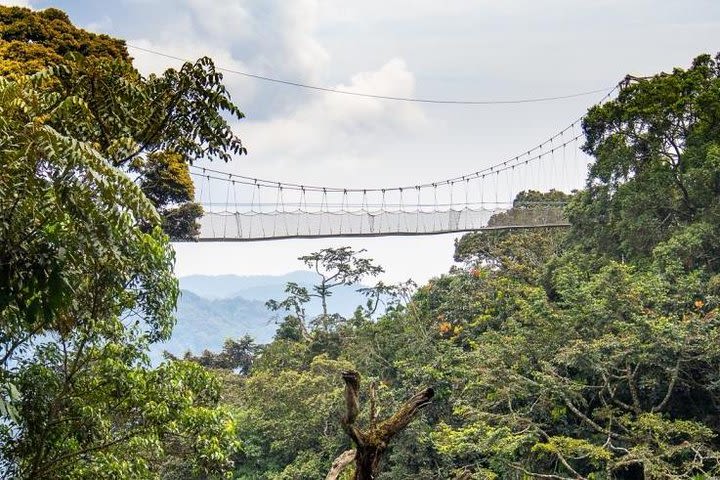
229, 286
214, 308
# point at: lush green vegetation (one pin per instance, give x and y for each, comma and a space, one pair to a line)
591, 352
151, 128
86, 278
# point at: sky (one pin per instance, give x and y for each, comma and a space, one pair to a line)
456, 49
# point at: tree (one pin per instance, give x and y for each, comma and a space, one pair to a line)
520, 253
86, 284
152, 128
602, 363
236, 355
602, 381
655, 177
372, 442
32, 40
335, 267
287, 413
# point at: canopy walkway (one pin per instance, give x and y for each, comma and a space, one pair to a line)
242, 208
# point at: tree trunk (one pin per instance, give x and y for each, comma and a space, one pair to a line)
367, 463
372, 442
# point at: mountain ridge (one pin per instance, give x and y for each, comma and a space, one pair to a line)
212, 308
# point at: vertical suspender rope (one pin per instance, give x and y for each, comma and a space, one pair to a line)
401, 212
366, 213
564, 168
342, 209
575, 147
497, 185
227, 206
276, 211
284, 212
435, 205
199, 199
538, 164
481, 183
382, 213
417, 215
363, 211
309, 223
236, 214
281, 212
262, 214
252, 210
323, 201
450, 210
553, 168
199, 195
514, 190
467, 188
300, 209
553, 162
466, 208
452, 190
212, 215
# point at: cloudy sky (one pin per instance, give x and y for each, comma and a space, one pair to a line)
456, 49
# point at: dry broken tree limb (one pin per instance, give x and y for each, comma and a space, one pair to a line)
339, 464
372, 441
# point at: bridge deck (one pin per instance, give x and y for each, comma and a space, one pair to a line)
254, 226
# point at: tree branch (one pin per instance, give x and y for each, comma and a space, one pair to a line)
340, 463
391, 426
670, 388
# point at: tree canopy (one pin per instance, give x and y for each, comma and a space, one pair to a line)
581, 352
655, 179
32, 40
589, 351
86, 270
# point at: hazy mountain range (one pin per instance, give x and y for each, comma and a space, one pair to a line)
213, 308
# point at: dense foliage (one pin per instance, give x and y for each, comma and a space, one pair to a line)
31, 41
149, 127
86, 281
586, 352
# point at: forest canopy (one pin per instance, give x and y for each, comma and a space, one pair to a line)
587, 352
584, 352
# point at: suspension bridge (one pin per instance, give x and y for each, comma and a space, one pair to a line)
243, 208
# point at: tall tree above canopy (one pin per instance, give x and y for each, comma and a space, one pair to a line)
523, 252
33, 40
657, 150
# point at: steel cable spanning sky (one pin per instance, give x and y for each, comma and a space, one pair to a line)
381, 97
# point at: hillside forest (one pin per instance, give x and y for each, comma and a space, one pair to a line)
586, 352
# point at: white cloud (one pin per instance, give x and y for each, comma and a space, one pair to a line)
17, 3
100, 26
273, 36
266, 37
334, 133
